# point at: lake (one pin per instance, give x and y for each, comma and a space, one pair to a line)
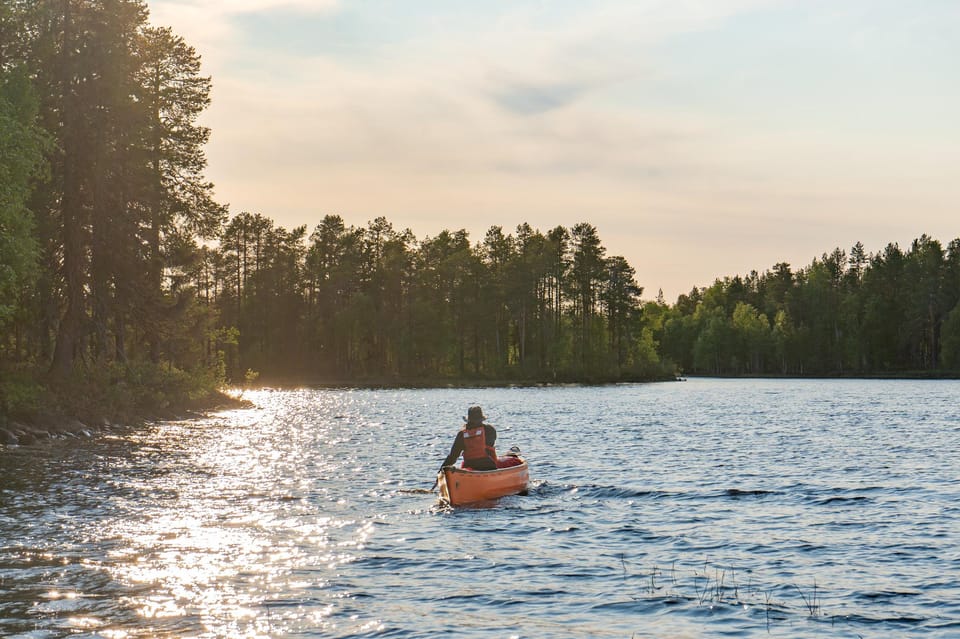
705, 508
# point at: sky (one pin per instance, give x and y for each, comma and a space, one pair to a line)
702, 138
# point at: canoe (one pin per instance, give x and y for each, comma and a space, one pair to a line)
459, 486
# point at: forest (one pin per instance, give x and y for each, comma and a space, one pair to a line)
890, 313
124, 283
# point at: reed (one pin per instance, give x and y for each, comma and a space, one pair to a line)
812, 603
714, 584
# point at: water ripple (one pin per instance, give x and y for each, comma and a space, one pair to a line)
711, 508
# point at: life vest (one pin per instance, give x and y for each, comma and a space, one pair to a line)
475, 443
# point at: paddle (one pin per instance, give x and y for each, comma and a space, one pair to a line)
415, 491
421, 491
437, 480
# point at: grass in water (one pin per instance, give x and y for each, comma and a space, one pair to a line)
714, 585
812, 603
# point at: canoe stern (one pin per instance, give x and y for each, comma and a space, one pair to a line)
459, 486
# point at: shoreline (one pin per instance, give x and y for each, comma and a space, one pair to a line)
35, 428
282, 382
902, 375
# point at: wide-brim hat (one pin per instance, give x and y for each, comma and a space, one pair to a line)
475, 414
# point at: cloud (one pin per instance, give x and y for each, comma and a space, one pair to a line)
208, 24
554, 113
533, 100
402, 121
225, 8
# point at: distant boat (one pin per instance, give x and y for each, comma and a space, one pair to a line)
459, 486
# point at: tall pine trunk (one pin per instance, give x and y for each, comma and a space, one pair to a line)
71, 211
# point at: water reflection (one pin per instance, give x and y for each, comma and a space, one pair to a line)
249, 546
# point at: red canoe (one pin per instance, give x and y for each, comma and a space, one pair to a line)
459, 486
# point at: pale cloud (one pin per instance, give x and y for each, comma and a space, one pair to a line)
207, 24
436, 124
223, 9
553, 118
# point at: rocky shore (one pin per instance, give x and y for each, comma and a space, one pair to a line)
36, 428
16, 433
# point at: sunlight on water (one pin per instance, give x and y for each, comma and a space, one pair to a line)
241, 539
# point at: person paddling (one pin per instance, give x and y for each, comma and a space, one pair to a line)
476, 442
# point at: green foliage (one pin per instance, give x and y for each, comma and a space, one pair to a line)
646, 363
863, 314
126, 392
224, 341
950, 341
752, 337
20, 394
21, 161
713, 349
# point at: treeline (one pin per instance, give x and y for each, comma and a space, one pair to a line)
893, 312
375, 303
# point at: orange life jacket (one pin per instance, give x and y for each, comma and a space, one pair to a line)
475, 443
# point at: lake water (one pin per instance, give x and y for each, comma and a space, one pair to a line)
706, 508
